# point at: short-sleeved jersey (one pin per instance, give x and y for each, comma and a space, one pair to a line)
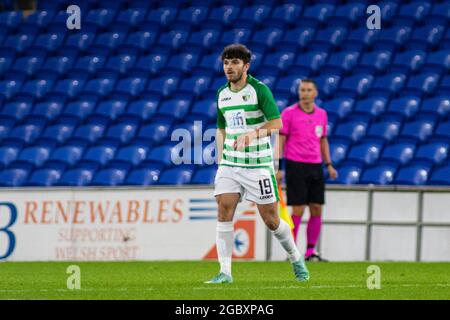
241, 112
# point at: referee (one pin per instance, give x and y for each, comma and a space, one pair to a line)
304, 144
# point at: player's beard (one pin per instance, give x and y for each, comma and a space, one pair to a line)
238, 77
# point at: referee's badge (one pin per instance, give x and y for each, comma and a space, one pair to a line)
319, 131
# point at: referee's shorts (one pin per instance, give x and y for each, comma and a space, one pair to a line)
305, 183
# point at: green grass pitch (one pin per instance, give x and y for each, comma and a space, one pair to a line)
252, 280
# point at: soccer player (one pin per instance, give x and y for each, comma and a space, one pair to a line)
303, 141
247, 116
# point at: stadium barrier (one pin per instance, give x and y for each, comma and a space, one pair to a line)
178, 223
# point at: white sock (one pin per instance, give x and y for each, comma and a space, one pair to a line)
284, 235
224, 243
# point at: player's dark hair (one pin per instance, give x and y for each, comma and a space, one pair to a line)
237, 51
309, 81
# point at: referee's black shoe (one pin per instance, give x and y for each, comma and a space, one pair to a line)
315, 257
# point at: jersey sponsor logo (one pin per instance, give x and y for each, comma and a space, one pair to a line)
236, 119
319, 131
266, 197
225, 99
246, 96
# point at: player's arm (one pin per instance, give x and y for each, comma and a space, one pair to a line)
220, 140
272, 126
325, 150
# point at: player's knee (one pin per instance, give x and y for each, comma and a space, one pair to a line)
298, 210
315, 208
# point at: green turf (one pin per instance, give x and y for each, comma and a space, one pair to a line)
252, 280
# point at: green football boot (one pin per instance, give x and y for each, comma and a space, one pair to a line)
221, 278
300, 270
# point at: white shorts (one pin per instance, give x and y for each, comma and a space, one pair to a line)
254, 184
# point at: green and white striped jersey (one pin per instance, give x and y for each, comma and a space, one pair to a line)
241, 112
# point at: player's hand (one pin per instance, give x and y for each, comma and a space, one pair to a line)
332, 172
244, 140
279, 177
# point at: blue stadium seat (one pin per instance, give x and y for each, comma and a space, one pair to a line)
101, 87
329, 38
309, 62
360, 39
439, 105
174, 39
67, 88
142, 177
440, 13
193, 15
408, 61
285, 13
165, 85
90, 63
420, 129
100, 17
386, 130
19, 42
140, 110
129, 17
422, 84
401, 152
434, 151
76, 177
289, 85
107, 41
374, 62
64, 157
256, 13
365, 152
299, 37
5, 126
406, 107
393, 37
81, 40
49, 42
387, 84
354, 130
119, 134
119, 64
444, 86
35, 88
411, 13
8, 88
140, 41
176, 176
44, 177
440, 176
126, 157
38, 19
106, 111
31, 157
23, 134
339, 106
152, 134
426, 37
280, 60
373, 106
161, 155
237, 35
379, 175
437, 61
132, 86
96, 156
174, 108
205, 38
196, 84
7, 155
77, 111
204, 176
443, 129
414, 174
388, 10
85, 134
203, 110
338, 150
13, 177
348, 14
55, 134
341, 62
225, 14
6, 61
356, 85
163, 15
27, 65
149, 64
109, 177
327, 85
347, 174
58, 64
316, 14
16, 110
267, 36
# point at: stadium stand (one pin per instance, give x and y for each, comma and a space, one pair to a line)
97, 106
